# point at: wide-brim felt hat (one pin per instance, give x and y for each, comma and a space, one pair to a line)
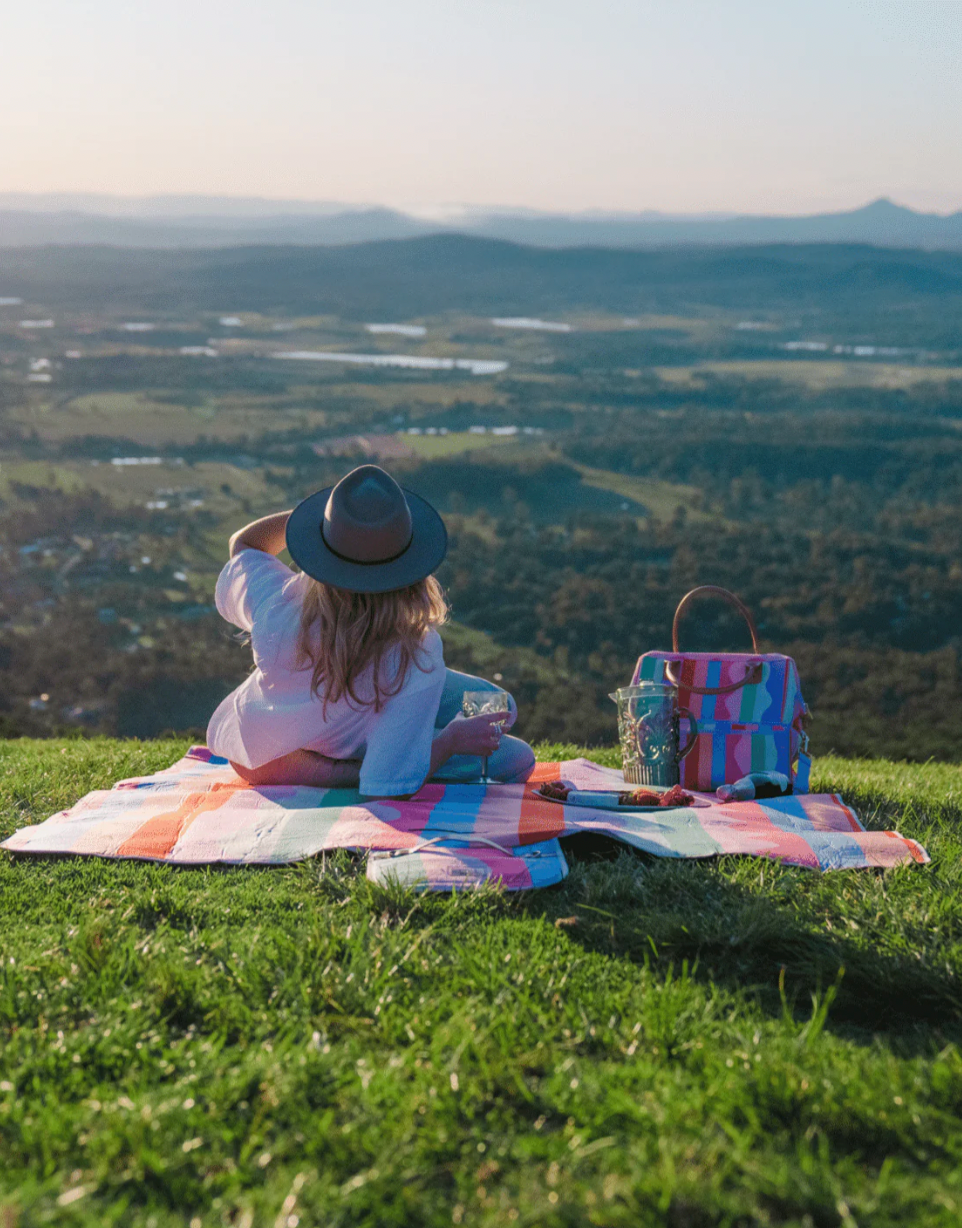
366, 534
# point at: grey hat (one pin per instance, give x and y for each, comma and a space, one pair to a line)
366, 534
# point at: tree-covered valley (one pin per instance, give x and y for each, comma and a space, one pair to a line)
601, 430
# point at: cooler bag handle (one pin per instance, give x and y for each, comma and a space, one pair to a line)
753, 674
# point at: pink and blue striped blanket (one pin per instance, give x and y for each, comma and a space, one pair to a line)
199, 812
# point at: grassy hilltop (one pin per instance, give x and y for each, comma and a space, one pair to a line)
688, 1043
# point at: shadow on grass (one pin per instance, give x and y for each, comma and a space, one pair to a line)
770, 942
753, 926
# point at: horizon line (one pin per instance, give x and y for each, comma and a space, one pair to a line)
446, 211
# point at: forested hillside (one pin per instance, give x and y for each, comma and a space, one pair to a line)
602, 431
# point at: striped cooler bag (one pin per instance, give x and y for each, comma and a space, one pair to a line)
748, 707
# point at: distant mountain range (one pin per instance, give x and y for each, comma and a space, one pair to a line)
210, 221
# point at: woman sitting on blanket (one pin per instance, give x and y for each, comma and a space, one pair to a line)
350, 687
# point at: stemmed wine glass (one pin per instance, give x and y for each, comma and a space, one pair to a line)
484, 703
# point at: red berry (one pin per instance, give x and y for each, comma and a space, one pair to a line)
639, 797
676, 796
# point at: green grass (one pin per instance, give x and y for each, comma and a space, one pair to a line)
662, 499
154, 422
455, 443
687, 1043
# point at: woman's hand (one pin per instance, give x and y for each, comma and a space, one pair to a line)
476, 735
465, 735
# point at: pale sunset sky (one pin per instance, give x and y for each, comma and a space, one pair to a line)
776, 106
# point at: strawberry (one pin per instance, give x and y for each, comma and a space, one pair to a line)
676, 796
639, 797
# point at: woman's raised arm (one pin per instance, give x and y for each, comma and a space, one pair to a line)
266, 534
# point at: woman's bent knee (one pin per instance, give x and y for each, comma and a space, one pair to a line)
515, 761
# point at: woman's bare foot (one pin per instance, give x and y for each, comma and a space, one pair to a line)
304, 767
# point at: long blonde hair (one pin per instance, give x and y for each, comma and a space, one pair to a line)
343, 633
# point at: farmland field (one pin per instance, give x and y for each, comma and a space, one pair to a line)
659, 423
815, 375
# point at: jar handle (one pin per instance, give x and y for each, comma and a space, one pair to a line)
692, 733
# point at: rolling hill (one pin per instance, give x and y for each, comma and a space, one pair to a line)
436, 273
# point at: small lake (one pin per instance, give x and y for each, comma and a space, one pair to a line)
477, 366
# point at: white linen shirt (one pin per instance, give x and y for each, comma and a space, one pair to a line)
273, 712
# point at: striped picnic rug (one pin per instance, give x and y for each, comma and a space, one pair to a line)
199, 812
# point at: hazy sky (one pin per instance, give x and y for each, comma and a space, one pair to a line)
767, 105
